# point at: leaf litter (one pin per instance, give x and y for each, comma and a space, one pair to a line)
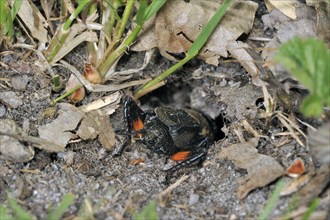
232, 100
73, 123
261, 169
177, 27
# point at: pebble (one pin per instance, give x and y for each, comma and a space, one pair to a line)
19, 83
193, 199
11, 99
3, 111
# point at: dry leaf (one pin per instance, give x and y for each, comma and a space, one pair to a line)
294, 185
76, 36
315, 186
91, 74
147, 38
286, 7
59, 130
323, 17
112, 99
246, 56
303, 26
77, 95
96, 124
179, 22
136, 161
296, 169
29, 14
261, 169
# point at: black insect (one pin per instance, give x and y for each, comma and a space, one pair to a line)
180, 134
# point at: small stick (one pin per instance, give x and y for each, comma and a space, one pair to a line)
170, 189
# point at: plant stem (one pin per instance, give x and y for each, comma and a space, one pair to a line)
272, 201
62, 34
112, 58
52, 103
124, 20
113, 11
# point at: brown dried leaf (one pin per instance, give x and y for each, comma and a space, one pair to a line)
294, 185
296, 169
59, 130
91, 74
147, 38
315, 186
245, 55
34, 21
96, 124
303, 26
136, 161
77, 95
179, 23
323, 17
76, 37
286, 7
261, 169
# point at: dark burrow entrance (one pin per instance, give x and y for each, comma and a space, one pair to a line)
177, 95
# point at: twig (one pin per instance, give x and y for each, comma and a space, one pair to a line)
41, 143
289, 127
259, 38
170, 189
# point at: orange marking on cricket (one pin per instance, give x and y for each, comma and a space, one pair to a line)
138, 124
179, 156
139, 135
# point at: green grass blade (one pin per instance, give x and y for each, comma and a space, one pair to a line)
308, 60
4, 213
272, 201
67, 200
148, 212
208, 29
124, 19
19, 212
3, 16
6, 24
82, 5
311, 209
141, 11
110, 59
153, 8
11, 16
15, 8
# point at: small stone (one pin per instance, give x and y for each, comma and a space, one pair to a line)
193, 199
3, 111
10, 148
19, 83
10, 98
24, 67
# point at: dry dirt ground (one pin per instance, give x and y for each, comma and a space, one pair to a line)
114, 187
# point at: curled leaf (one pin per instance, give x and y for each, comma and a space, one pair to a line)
79, 93
91, 74
297, 168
